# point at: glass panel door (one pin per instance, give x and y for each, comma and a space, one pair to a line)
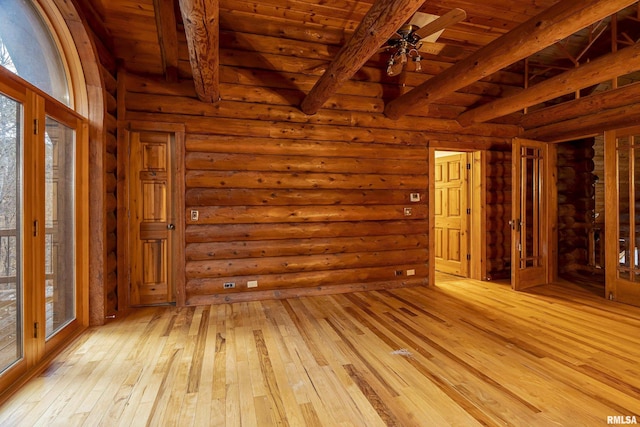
11, 345
59, 226
622, 215
533, 211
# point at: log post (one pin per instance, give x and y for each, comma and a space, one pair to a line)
201, 26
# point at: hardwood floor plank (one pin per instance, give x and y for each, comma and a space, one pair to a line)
461, 352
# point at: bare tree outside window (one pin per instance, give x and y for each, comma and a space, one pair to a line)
10, 119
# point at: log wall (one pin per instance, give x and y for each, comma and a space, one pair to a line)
498, 212
576, 204
299, 203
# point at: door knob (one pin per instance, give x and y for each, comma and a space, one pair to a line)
171, 227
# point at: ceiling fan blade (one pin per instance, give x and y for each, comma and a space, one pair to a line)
441, 49
452, 17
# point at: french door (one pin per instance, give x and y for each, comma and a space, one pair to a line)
534, 209
42, 225
622, 213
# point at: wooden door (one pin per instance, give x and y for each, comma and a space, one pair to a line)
151, 218
622, 215
534, 209
451, 214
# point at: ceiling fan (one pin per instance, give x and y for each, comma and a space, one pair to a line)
418, 36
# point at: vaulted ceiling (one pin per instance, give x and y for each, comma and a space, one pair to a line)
289, 45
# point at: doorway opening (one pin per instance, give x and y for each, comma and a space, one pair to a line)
457, 216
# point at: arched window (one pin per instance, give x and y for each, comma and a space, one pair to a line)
43, 189
28, 49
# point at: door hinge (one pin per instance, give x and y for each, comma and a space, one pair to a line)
35, 126
36, 228
35, 329
468, 211
468, 166
468, 257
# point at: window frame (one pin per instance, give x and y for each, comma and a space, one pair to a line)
37, 105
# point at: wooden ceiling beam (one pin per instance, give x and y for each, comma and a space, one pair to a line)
592, 104
382, 20
606, 67
167, 37
588, 125
201, 26
559, 21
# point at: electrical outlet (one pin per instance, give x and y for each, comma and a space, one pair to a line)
407, 211
411, 272
229, 285
195, 215
252, 284
414, 197
398, 272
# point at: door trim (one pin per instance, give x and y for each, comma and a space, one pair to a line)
123, 236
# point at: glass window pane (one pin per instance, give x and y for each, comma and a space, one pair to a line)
27, 49
10, 226
530, 209
59, 223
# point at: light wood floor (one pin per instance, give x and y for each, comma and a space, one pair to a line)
460, 353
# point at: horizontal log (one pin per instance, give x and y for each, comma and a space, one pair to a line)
275, 265
266, 105
211, 179
592, 104
296, 247
110, 202
249, 232
196, 197
588, 125
110, 123
111, 243
111, 144
498, 169
251, 162
111, 222
303, 147
498, 197
286, 214
259, 85
497, 251
499, 239
276, 129
243, 128
499, 183
306, 279
495, 223
110, 183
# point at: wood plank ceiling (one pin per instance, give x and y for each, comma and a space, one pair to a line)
288, 45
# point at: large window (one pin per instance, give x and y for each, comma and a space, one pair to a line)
43, 193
